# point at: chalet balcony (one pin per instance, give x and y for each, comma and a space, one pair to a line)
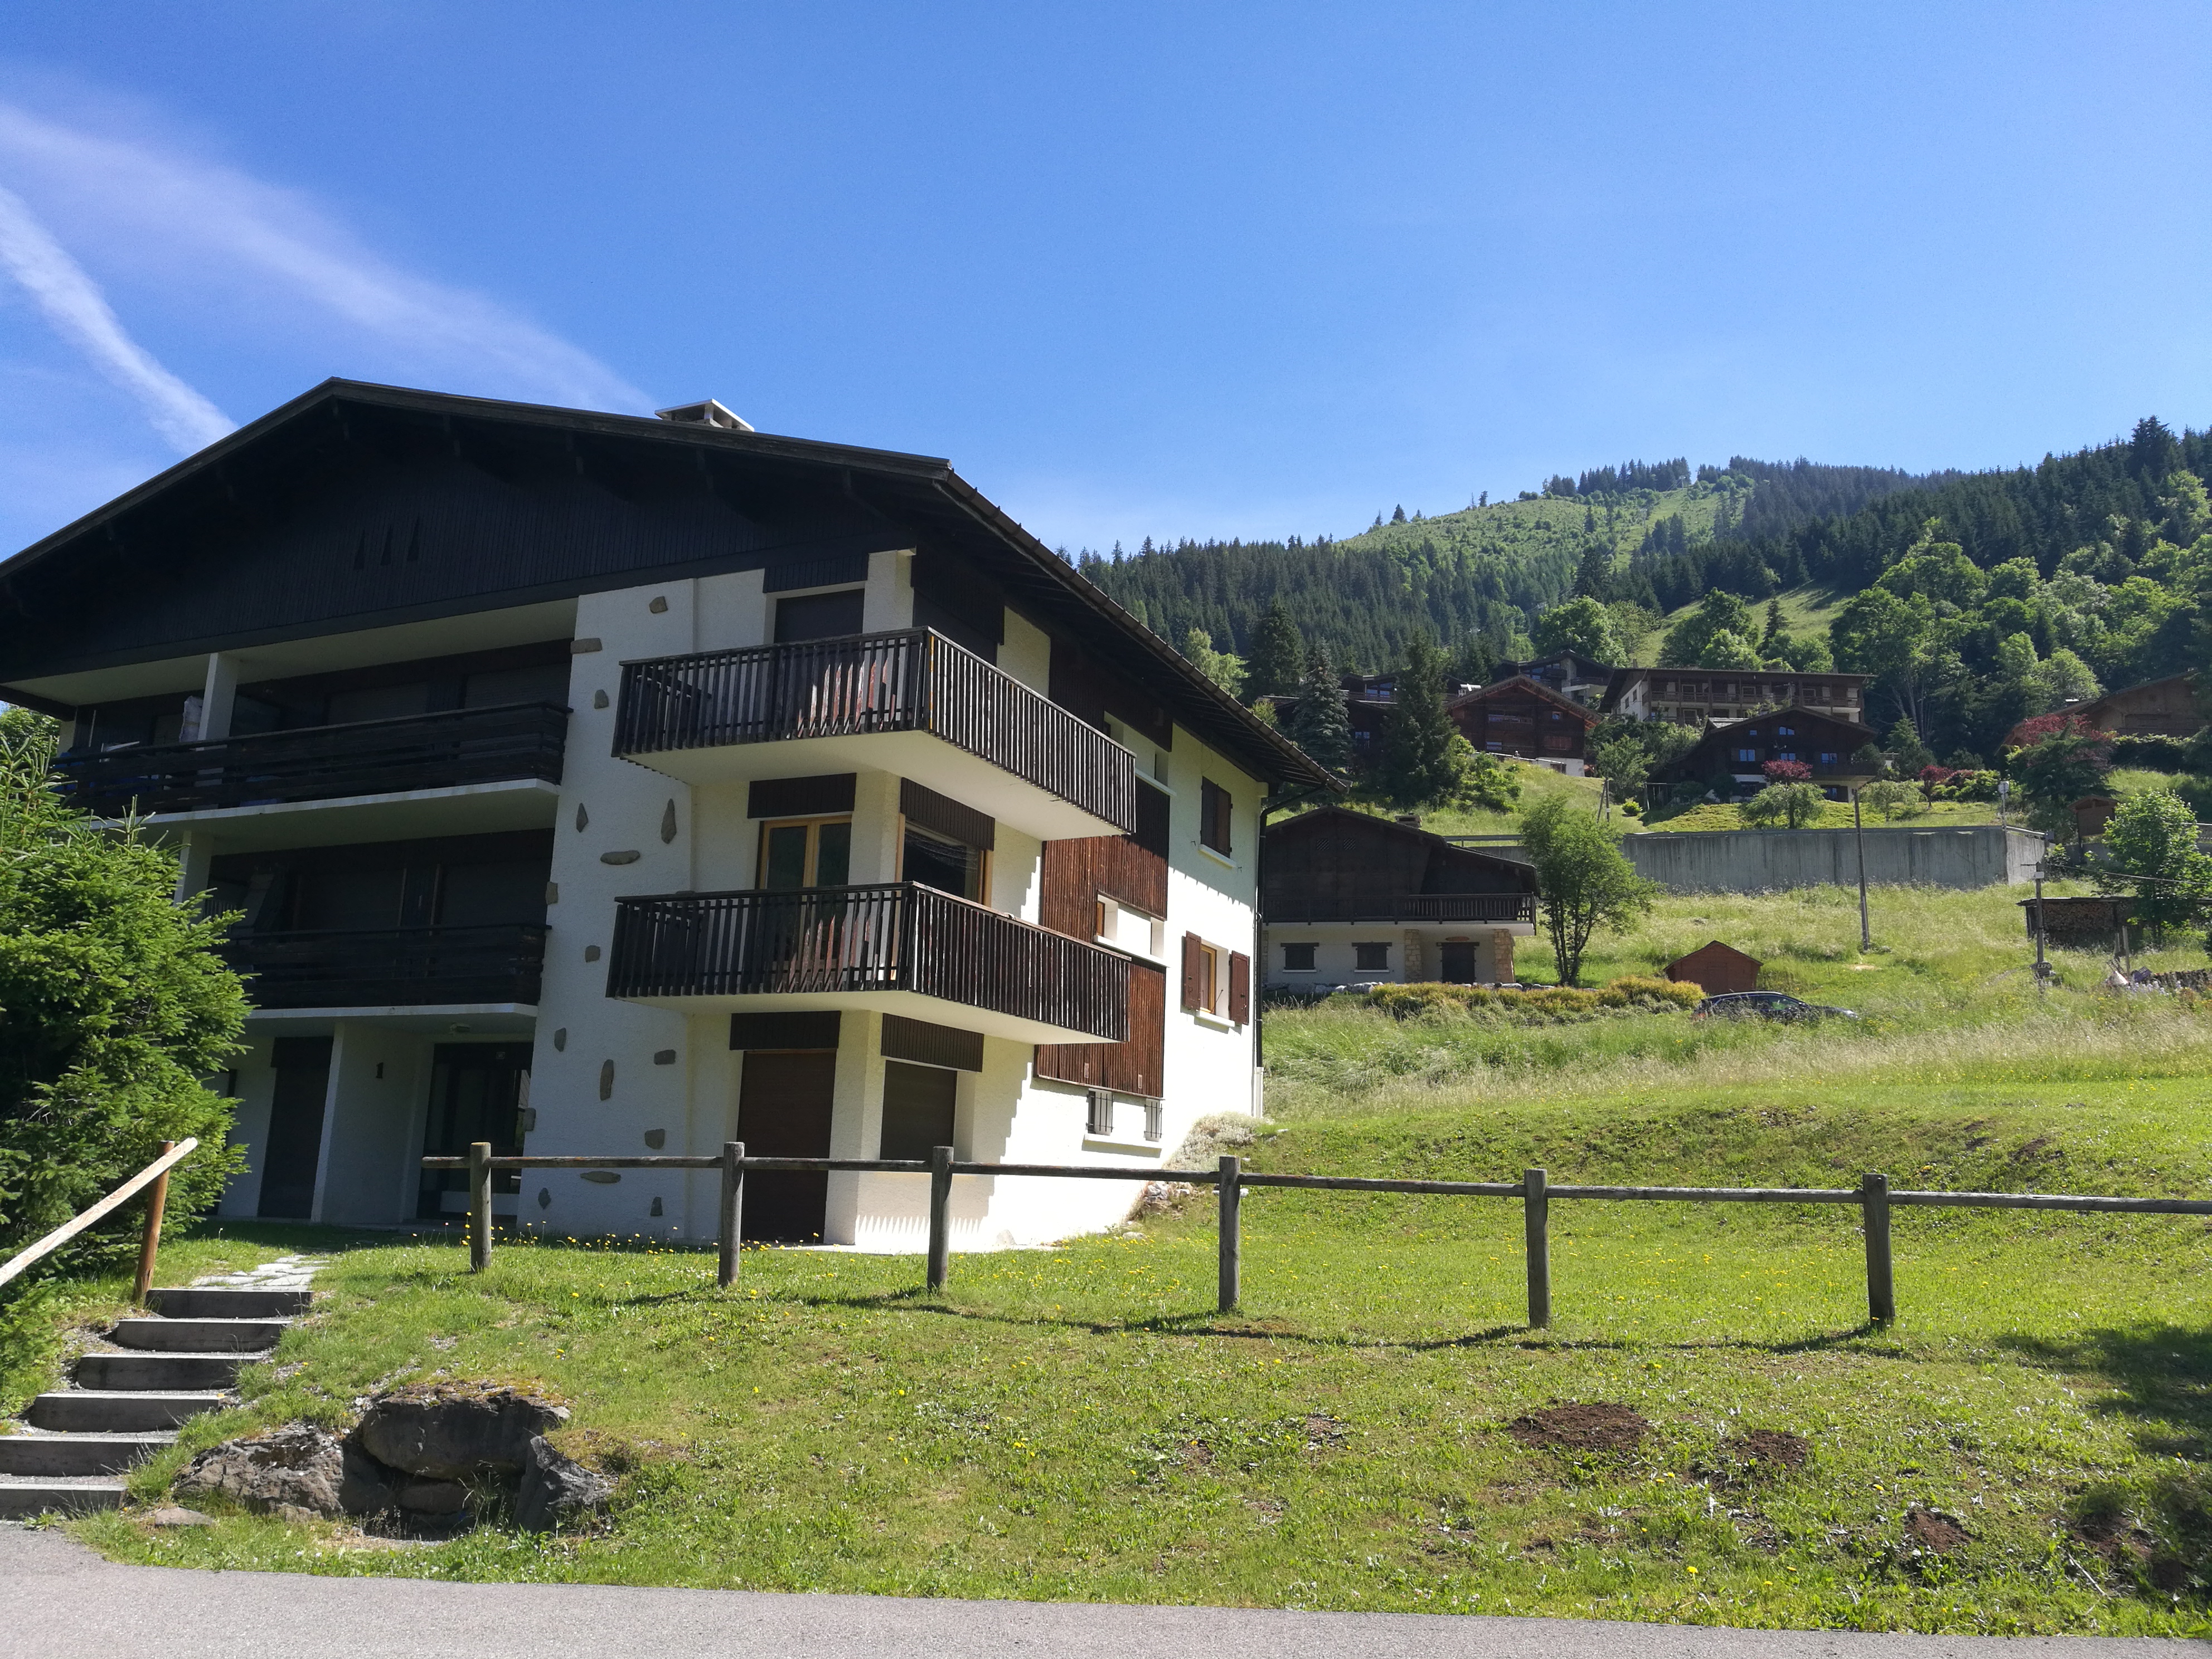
1497, 909
913, 703
518, 743
392, 967
896, 946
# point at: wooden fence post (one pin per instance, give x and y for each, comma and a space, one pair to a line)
733, 1210
940, 1216
1231, 1193
1881, 1286
149, 1243
479, 1206
1536, 1230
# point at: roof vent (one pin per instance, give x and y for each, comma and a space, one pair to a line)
709, 413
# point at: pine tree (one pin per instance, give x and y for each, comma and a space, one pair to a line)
1398, 515
1778, 631
1907, 753
1416, 763
1277, 661
1318, 723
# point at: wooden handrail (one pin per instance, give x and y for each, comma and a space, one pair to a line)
130, 1189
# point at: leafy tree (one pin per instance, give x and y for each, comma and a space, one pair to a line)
1906, 752
1224, 668
1786, 771
1719, 612
2058, 759
1728, 650
1475, 663
1318, 723
1795, 804
1490, 782
1415, 765
1580, 624
2064, 678
1633, 624
1892, 797
1938, 570
1624, 765
1277, 659
116, 1006
2153, 842
1582, 883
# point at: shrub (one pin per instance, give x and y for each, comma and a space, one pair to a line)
1547, 1005
1795, 804
1786, 771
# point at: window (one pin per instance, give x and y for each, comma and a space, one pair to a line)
1216, 980
818, 617
939, 862
1371, 959
1829, 757
1155, 1120
1785, 731
1297, 959
920, 1105
1215, 809
1747, 757
1099, 1119
810, 852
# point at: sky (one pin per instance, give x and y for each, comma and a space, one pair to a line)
1138, 270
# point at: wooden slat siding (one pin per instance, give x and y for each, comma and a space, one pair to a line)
887, 936
1192, 946
1240, 987
323, 763
909, 681
1332, 866
1503, 908
397, 967
1137, 1066
931, 1045
925, 807
1076, 873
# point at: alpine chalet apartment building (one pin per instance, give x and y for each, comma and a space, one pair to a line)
596, 785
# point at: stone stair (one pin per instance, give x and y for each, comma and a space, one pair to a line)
124, 1404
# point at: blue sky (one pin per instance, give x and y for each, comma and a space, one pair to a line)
1167, 270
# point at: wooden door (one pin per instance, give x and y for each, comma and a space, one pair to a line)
1458, 966
295, 1143
919, 1105
783, 1111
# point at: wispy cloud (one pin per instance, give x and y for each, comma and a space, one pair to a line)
80, 313
264, 264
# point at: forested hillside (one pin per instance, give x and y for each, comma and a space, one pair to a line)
1977, 599
1486, 572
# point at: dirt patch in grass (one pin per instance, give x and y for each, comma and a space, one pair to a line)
1592, 1426
1933, 1530
1775, 1449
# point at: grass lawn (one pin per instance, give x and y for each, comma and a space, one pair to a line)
1080, 1425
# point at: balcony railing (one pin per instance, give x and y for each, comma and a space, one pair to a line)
322, 763
913, 681
889, 936
1407, 907
390, 968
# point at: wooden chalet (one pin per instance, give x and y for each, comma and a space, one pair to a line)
1522, 717
1350, 899
1741, 749
2156, 709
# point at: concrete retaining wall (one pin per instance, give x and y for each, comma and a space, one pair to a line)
1760, 860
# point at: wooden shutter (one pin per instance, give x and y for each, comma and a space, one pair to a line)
1240, 987
1193, 966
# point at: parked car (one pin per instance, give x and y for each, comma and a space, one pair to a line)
1766, 1004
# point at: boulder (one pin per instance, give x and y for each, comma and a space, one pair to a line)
420, 1497
365, 1486
555, 1489
295, 1473
452, 1431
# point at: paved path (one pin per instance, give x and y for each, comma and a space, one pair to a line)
59, 1601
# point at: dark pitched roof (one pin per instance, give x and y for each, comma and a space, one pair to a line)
1850, 737
1337, 819
1617, 687
741, 501
1574, 657
1523, 683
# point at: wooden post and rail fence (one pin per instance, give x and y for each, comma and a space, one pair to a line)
155, 1175
1873, 1198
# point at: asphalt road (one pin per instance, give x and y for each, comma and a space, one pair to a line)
59, 1601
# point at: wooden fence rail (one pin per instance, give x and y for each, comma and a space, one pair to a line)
1872, 1196
155, 1175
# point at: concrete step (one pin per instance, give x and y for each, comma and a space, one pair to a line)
213, 1301
94, 1411
164, 1373
160, 1335
77, 1454
24, 1496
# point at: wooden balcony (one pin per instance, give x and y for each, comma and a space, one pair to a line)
1497, 909
896, 946
389, 967
460, 746
911, 703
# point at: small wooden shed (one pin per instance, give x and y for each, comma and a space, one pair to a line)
1720, 969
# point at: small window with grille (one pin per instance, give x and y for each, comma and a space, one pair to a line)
1155, 1120
1100, 1119
1298, 959
1371, 959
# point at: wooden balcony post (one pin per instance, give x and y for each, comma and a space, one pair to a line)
733, 1210
479, 1206
149, 1243
940, 1217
